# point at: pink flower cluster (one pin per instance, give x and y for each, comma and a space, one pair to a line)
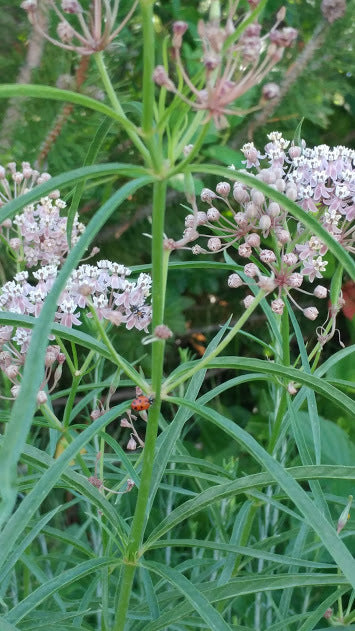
321, 180
88, 31
36, 236
41, 241
231, 66
104, 286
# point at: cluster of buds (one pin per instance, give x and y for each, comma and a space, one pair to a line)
128, 422
12, 361
89, 32
321, 180
36, 236
231, 67
99, 484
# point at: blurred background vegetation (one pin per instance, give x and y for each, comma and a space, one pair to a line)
317, 78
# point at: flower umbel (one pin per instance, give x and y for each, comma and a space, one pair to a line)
321, 180
231, 66
90, 31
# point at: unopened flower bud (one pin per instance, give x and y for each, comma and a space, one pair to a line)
311, 313
15, 391
29, 5
283, 236
207, 195
244, 250
267, 256
283, 37
223, 189
197, 250
241, 220
201, 218
214, 244
294, 151
273, 209
291, 193
190, 221
65, 32
7, 223
95, 481
130, 485
15, 243
213, 214
161, 78
328, 613
345, 515
248, 301
131, 445
125, 423
234, 281
41, 397
320, 292
290, 259
180, 27
251, 270
280, 185
11, 371
251, 210
277, 306
187, 150
333, 9
295, 280
162, 332
240, 194
95, 414
266, 283
253, 240
291, 388
71, 6
270, 91
265, 222
257, 197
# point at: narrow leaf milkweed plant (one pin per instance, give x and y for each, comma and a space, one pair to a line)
114, 516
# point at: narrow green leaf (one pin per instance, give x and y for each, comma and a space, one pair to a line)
243, 586
291, 374
6, 626
21, 517
243, 485
210, 615
53, 585
122, 456
76, 175
325, 531
167, 440
150, 593
55, 94
234, 549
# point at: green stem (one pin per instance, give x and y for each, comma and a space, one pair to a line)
285, 336
196, 123
129, 126
159, 273
148, 83
169, 386
118, 359
179, 168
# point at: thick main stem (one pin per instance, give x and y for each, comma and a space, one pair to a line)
159, 265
